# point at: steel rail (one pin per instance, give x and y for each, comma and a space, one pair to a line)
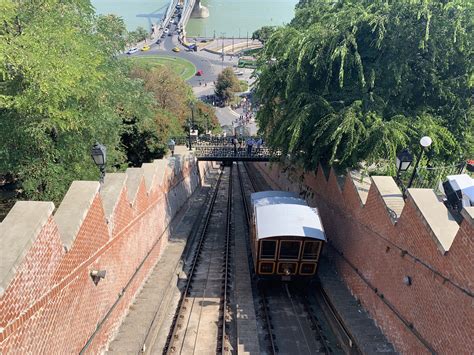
149, 336
315, 322
295, 312
172, 336
273, 347
226, 264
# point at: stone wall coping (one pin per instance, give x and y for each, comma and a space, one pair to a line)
362, 185
391, 194
442, 224
18, 232
74, 208
149, 173
134, 176
110, 192
161, 169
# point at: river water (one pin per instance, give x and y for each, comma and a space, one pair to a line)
229, 17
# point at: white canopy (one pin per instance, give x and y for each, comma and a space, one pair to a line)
296, 220
272, 193
463, 183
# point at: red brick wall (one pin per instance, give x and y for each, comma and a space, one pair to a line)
373, 255
52, 306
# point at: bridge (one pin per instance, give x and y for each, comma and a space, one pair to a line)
222, 149
191, 8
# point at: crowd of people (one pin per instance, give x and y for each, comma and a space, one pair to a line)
240, 145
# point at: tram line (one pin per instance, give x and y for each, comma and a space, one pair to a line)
202, 312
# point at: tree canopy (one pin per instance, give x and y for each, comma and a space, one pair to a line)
63, 87
227, 84
357, 80
263, 33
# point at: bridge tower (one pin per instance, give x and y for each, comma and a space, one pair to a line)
199, 11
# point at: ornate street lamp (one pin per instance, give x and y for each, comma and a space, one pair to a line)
99, 154
404, 160
425, 143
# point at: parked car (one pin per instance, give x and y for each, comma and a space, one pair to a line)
132, 50
145, 48
158, 41
166, 30
176, 49
199, 73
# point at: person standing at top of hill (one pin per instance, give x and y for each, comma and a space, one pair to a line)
250, 143
171, 144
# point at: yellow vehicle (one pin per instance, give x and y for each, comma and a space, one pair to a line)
145, 48
176, 49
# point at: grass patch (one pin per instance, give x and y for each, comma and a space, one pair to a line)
180, 66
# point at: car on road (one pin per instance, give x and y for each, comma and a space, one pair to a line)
132, 50
239, 73
199, 73
176, 49
146, 48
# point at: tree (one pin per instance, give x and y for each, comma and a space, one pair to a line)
205, 118
352, 81
140, 34
113, 33
61, 90
171, 93
227, 84
264, 33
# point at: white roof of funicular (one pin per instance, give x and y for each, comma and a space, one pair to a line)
275, 197
269, 194
294, 220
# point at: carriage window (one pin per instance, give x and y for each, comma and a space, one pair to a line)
289, 250
311, 250
268, 249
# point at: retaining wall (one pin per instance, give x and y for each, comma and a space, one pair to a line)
48, 301
409, 262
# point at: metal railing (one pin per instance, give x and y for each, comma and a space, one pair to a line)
430, 177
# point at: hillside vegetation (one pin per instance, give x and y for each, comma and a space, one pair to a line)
357, 80
65, 86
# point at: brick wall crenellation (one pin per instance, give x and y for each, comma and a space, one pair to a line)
374, 255
51, 304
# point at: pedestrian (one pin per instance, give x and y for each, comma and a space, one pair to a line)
259, 144
234, 143
250, 143
171, 145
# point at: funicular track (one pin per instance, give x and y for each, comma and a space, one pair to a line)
201, 317
293, 322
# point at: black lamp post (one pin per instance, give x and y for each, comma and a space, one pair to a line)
404, 160
425, 143
99, 154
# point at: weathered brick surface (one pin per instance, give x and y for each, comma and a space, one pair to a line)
373, 255
53, 306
